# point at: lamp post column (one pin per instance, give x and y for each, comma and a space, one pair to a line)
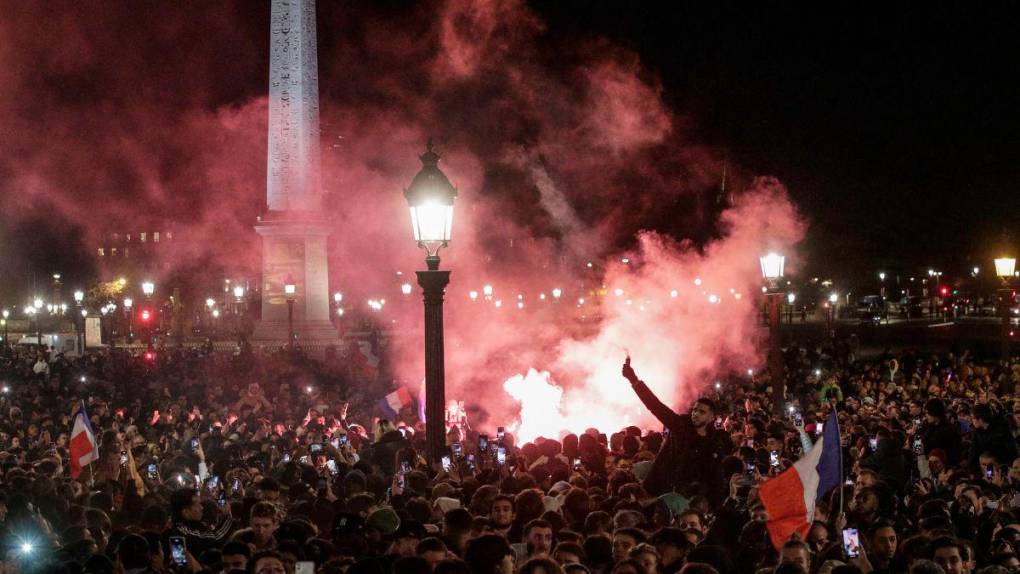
1005, 295
290, 322
776, 370
433, 283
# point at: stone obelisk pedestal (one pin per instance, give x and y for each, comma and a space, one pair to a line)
294, 231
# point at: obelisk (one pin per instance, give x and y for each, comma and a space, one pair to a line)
293, 230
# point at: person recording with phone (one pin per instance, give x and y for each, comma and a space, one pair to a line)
692, 452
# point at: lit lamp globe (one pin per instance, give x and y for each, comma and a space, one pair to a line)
6, 313
290, 289
79, 296
210, 302
833, 298
772, 266
128, 303
1005, 267
338, 297
84, 312
238, 291
148, 288
791, 297
430, 198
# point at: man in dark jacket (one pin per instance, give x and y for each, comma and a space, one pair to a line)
937, 432
991, 436
694, 450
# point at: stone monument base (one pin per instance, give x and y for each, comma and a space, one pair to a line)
275, 332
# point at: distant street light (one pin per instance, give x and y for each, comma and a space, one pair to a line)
148, 288
772, 271
290, 289
1004, 269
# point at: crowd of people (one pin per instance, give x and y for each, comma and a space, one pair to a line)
273, 464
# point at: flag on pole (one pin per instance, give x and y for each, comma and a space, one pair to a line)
790, 497
83, 448
393, 402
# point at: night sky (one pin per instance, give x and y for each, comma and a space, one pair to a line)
893, 127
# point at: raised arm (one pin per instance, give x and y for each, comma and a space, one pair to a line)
666, 415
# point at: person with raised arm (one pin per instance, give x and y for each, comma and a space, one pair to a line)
692, 453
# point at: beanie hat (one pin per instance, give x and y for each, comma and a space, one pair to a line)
935, 408
384, 520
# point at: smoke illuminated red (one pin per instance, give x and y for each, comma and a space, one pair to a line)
562, 153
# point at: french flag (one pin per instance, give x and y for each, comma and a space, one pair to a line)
790, 497
83, 448
393, 402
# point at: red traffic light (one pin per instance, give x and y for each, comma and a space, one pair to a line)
149, 356
944, 290
145, 315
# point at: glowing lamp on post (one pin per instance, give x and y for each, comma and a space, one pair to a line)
338, 297
79, 296
210, 303
1005, 268
148, 288
238, 291
38, 303
430, 198
405, 288
557, 292
772, 271
290, 289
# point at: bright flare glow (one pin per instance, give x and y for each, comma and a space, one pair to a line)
290, 288
84, 312
772, 266
128, 302
210, 303
499, 303
38, 303
1004, 266
833, 298
216, 313
520, 304
487, 290
473, 295
697, 280
713, 298
618, 292
238, 291
674, 293
557, 292
340, 311
881, 276
791, 297
580, 301
79, 296
26, 547
338, 297
432, 222
405, 288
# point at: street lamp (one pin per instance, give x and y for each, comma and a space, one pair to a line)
5, 315
290, 289
148, 288
1004, 268
430, 198
238, 292
772, 270
84, 315
128, 303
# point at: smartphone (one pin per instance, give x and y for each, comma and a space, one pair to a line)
577, 464
873, 442
177, 551
123, 457
335, 442
501, 454
153, 472
989, 472
236, 485
798, 418
331, 465
483, 442
401, 480
718, 422
773, 458
471, 462
405, 467
819, 428
446, 464
304, 567
222, 500
500, 432
851, 543
212, 483
341, 440
286, 457
305, 460
315, 448
751, 468
194, 443
457, 450
918, 445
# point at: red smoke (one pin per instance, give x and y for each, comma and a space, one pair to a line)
116, 118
